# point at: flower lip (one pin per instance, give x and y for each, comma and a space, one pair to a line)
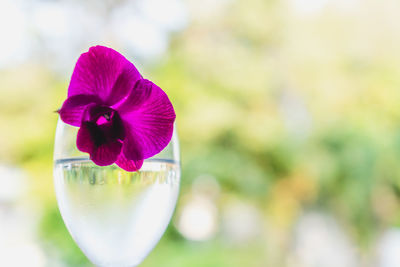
103, 124
96, 134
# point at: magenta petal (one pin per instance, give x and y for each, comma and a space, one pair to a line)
105, 73
102, 154
73, 108
84, 140
107, 153
137, 96
128, 165
149, 125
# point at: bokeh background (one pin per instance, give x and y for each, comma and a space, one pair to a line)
288, 114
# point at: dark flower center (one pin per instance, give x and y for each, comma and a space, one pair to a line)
104, 125
107, 116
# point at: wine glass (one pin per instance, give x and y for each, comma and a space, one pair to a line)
116, 217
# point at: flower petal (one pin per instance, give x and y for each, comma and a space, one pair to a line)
149, 125
137, 96
73, 108
105, 73
84, 140
92, 140
128, 165
107, 153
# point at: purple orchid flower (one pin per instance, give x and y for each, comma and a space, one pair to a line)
123, 118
